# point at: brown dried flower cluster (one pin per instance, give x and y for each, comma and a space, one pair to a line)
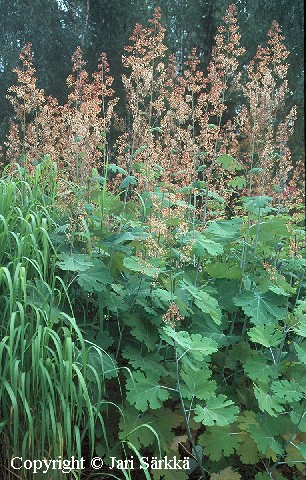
261, 122
74, 135
172, 315
175, 128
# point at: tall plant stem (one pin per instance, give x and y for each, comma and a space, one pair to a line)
190, 437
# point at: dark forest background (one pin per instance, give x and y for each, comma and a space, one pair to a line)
56, 27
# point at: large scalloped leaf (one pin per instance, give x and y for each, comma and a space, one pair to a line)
227, 290
113, 168
162, 298
228, 162
262, 308
205, 302
144, 392
165, 425
219, 442
137, 234
197, 384
301, 352
238, 182
192, 349
288, 391
205, 326
264, 437
224, 230
300, 315
205, 247
95, 278
257, 367
75, 262
137, 264
265, 335
218, 411
263, 476
252, 204
268, 402
247, 451
142, 330
223, 270
297, 415
273, 230
149, 361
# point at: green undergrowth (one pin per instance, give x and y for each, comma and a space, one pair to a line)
120, 340
212, 339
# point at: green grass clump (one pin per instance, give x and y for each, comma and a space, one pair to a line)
51, 392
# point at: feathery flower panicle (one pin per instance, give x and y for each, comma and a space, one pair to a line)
25, 97
73, 135
27, 101
145, 87
261, 122
176, 125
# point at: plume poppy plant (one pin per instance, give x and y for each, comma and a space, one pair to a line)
151, 264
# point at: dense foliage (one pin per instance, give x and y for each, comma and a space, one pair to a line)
152, 270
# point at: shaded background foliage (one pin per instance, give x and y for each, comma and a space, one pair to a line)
56, 27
